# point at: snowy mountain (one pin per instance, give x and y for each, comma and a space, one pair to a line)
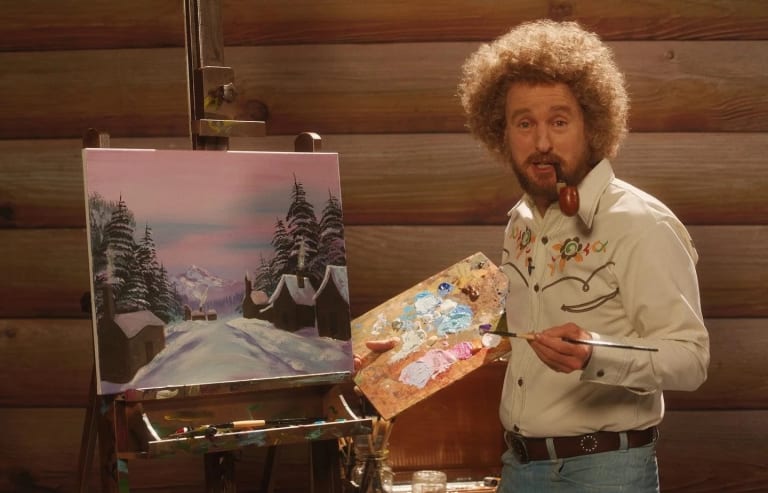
198, 286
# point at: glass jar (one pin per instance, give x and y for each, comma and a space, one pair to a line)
371, 472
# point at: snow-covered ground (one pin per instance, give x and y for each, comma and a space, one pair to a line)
199, 352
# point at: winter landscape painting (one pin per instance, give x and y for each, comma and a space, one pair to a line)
215, 266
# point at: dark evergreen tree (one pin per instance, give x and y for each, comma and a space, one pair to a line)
99, 213
267, 276
332, 248
163, 304
146, 256
283, 244
303, 229
119, 247
134, 295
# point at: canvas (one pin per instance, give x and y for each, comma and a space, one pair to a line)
215, 266
431, 335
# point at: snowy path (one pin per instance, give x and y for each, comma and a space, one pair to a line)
200, 352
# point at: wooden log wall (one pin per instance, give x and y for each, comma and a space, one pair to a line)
377, 80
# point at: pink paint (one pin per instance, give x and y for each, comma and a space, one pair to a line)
462, 350
433, 363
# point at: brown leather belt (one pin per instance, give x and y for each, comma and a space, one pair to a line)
530, 449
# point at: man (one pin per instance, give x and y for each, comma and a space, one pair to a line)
548, 99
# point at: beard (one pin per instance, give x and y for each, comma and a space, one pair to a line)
548, 191
535, 190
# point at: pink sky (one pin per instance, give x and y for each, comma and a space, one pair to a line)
214, 209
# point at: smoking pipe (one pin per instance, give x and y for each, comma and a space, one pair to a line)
567, 195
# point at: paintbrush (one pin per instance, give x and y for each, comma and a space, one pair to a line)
247, 424
530, 336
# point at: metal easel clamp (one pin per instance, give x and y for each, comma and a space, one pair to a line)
215, 88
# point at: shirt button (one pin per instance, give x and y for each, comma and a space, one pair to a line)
536, 288
600, 373
520, 382
544, 239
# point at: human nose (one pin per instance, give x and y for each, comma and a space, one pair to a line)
543, 142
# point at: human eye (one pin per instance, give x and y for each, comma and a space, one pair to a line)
524, 124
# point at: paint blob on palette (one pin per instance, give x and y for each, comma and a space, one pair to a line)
429, 336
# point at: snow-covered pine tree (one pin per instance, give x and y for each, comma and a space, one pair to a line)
167, 305
134, 295
100, 212
119, 247
146, 256
302, 226
267, 276
280, 262
332, 250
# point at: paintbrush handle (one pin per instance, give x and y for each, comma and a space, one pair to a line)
246, 423
529, 336
592, 342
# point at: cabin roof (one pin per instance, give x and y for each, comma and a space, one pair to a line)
131, 323
337, 275
302, 296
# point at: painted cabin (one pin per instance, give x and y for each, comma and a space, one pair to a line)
332, 304
291, 306
127, 341
200, 314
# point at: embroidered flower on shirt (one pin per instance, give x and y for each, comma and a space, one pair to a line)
524, 238
570, 249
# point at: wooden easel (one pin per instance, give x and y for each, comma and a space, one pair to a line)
124, 422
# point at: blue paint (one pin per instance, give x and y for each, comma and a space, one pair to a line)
426, 302
444, 289
457, 320
409, 312
314, 434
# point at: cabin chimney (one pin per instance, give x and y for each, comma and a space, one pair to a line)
248, 286
302, 261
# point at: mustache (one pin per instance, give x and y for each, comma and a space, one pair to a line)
544, 158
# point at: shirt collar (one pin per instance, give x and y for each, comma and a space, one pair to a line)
590, 190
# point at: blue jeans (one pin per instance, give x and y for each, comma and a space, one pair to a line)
632, 471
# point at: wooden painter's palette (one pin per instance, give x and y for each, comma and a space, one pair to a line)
428, 337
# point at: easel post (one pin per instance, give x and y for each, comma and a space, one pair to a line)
211, 93
91, 138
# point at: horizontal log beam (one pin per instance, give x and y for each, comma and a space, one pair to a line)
384, 261
55, 358
102, 24
446, 177
381, 88
46, 271
713, 451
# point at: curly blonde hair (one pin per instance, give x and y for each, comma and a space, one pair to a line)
546, 52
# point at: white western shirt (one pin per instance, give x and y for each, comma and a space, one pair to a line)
623, 269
